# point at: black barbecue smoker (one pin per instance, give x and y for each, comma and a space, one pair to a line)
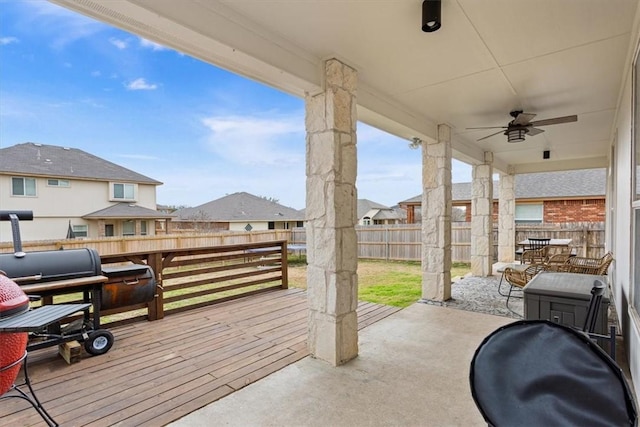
45, 274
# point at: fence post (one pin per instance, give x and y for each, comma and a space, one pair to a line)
585, 241
284, 264
387, 246
155, 308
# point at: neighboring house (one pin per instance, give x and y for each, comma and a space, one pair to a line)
238, 212
372, 213
546, 197
69, 187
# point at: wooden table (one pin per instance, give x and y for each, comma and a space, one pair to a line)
552, 242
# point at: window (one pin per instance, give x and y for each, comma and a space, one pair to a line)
143, 228
58, 183
530, 213
81, 230
23, 187
366, 220
124, 191
109, 230
271, 225
128, 228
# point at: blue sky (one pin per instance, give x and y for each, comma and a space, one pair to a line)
204, 132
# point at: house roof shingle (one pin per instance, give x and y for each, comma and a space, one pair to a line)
383, 212
126, 210
240, 207
543, 185
53, 161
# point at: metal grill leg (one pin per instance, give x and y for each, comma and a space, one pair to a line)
31, 398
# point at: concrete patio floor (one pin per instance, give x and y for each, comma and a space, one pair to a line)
412, 370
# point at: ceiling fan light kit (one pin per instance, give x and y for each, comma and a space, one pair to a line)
431, 20
516, 135
521, 125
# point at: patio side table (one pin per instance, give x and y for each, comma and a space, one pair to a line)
564, 298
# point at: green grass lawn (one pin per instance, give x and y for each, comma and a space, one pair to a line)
398, 288
396, 283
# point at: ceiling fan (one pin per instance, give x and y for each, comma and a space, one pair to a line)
522, 125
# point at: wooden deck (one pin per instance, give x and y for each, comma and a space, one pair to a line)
159, 371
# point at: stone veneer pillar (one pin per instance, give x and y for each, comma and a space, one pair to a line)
332, 248
506, 219
482, 218
436, 217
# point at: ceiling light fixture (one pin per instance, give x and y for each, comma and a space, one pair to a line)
415, 143
431, 15
516, 135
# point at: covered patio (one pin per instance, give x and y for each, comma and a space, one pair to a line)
253, 353
457, 93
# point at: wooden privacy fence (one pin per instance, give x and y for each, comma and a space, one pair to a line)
135, 244
403, 242
387, 242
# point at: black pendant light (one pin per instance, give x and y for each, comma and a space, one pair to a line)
431, 15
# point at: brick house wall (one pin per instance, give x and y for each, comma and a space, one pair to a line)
589, 210
559, 211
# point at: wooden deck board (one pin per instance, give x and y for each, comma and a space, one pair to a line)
160, 371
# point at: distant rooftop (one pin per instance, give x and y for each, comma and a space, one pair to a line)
34, 159
543, 185
240, 207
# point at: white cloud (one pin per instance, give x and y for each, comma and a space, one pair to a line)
8, 40
96, 73
92, 103
59, 25
140, 84
148, 44
257, 140
119, 43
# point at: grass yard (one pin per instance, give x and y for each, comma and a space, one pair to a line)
383, 282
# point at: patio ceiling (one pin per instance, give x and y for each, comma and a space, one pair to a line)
553, 58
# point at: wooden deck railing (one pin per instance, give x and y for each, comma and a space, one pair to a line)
191, 278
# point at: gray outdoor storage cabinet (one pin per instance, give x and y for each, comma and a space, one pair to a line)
564, 298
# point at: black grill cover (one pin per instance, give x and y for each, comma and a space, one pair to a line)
539, 373
51, 265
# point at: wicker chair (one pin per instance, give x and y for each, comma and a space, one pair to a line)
519, 278
534, 244
598, 266
550, 257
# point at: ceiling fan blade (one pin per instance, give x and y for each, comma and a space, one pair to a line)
488, 127
555, 121
523, 118
489, 136
534, 131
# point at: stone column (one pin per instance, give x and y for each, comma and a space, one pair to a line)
436, 217
331, 214
506, 219
482, 218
